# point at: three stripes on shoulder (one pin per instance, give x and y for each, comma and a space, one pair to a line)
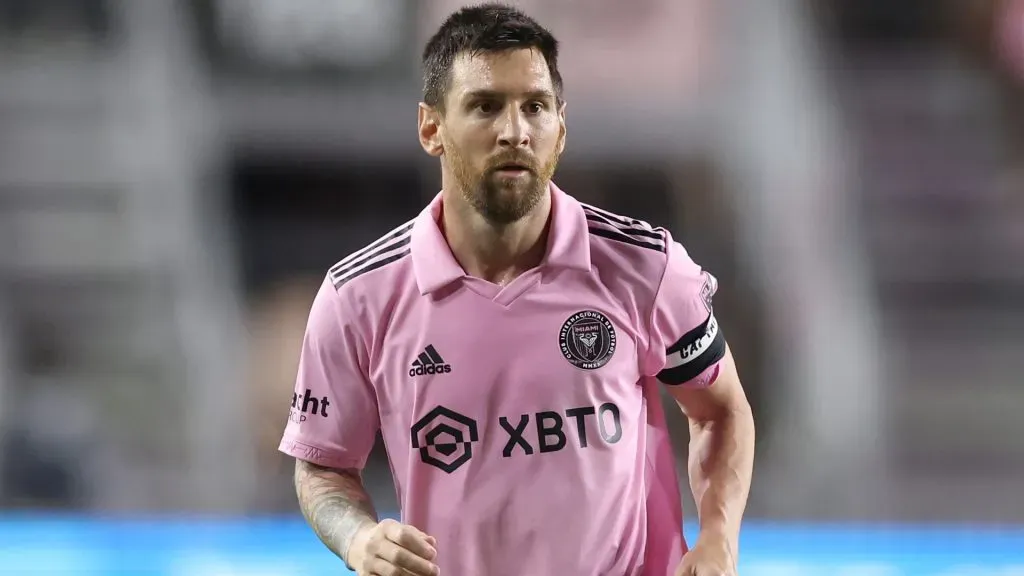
391, 247
622, 229
395, 245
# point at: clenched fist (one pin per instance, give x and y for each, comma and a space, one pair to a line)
710, 557
393, 549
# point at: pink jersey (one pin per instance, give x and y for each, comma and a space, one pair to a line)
522, 423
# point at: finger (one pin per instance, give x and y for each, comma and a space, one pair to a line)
381, 567
408, 529
413, 540
395, 560
685, 570
407, 560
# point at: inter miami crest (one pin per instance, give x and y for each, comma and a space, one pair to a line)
587, 340
708, 290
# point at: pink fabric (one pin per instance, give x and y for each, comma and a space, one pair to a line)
522, 423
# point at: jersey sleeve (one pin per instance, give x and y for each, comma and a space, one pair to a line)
686, 342
333, 419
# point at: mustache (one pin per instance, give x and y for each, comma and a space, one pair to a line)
517, 159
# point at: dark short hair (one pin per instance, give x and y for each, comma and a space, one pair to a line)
488, 27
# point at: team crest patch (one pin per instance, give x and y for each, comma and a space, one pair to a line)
708, 290
587, 340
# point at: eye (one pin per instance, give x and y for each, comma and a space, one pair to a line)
535, 107
486, 107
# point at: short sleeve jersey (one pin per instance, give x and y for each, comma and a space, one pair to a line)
522, 422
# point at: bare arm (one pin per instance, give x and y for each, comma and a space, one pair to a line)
721, 452
335, 504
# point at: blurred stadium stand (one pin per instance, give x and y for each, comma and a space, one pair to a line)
176, 175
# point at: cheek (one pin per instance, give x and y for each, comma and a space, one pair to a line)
548, 133
548, 142
462, 156
467, 142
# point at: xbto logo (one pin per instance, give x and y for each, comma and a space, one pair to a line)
445, 437
307, 404
550, 434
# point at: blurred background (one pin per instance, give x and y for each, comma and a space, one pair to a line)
176, 176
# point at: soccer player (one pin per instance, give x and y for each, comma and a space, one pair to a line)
510, 343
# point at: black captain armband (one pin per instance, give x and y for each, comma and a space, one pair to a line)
694, 353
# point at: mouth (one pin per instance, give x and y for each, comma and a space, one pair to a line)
512, 169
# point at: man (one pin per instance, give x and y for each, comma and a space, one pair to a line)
509, 343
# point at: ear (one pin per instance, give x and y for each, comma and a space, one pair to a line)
561, 127
429, 123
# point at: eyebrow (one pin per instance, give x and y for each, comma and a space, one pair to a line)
496, 95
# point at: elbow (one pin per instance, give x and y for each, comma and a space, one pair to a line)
739, 417
733, 421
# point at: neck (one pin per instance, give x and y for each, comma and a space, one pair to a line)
497, 253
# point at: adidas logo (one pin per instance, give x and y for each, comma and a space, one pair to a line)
429, 362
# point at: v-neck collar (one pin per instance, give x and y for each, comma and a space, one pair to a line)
435, 266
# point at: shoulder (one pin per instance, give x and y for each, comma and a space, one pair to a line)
625, 234
628, 255
375, 264
626, 239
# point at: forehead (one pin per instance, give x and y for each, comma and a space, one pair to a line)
508, 71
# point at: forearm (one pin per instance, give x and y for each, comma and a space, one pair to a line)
335, 504
720, 467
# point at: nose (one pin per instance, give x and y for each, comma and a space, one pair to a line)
514, 131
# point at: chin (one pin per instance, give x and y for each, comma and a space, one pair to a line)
512, 207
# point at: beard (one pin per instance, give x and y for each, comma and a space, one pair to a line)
501, 199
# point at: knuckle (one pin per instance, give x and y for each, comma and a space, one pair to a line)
401, 557
404, 534
383, 568
388, 552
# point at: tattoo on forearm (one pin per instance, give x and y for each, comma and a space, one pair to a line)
334, 503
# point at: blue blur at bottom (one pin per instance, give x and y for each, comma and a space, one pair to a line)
287, 547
